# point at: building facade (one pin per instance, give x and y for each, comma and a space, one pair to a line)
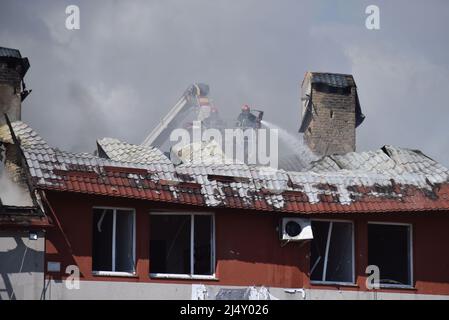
246, 252
126, 222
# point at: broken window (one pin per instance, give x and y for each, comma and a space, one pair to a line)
113, 240
389, 248
332, 252
181, 244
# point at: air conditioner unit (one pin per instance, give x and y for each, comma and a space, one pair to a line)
295, 229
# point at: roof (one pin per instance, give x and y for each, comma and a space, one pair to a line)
389, 179
16, 201
26, 135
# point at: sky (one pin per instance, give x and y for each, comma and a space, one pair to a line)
130, 61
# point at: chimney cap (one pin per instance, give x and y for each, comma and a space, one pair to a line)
13, 57
337, 80
9, 52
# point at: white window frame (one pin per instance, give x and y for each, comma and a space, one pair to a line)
410, 245
192, 248
114, 219
340, 283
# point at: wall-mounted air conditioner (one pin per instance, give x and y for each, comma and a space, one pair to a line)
295, 229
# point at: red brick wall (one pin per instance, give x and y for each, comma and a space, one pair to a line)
248, 250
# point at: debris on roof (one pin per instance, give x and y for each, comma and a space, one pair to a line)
116, 150
390, 179
199, 152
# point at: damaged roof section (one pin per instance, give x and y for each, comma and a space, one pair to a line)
389, 179
117, 150
16, 198
26, 135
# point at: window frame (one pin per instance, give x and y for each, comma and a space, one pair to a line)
338, 283
191, 275
410, 252
114, 220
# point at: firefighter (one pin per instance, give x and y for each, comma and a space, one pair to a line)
246, 119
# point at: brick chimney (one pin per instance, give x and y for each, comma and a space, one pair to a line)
12, 88
331, 112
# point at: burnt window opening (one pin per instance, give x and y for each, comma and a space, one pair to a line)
113, 245
389, 248
182, 244
332, 114
332, 252
310, 130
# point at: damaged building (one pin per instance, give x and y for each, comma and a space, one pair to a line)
144, 222
22, 218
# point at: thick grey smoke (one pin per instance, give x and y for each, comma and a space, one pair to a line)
131, 60
11, 193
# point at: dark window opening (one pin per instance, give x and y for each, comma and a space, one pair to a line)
171, 239
203, 245
170, 244
332, 252
113, 240
102, 240
332, 114
124, 248
389, 248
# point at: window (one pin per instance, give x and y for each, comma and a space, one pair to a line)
182, 244
113, 240
332, 252
389, 248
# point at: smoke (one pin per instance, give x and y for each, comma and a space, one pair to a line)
248, 52
293, 145
11, 193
